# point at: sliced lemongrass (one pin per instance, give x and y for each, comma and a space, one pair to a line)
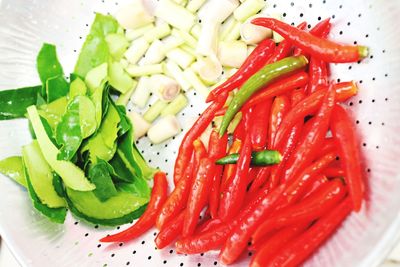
229, 99
205, 136
234, 34
276, 36
195, 5
217, 121
142, 92
140, 124
232, 54
181, 2
155, 110
137, 71
124, 63
234, 123
209, 69
189, 39
195, 31
155, 54
250, 49
226, 27
175, 15
173, 108
158, 32
123, 99
136, 33
136, 51
175, 72
180, 57
217, 10
189, 50
117, 45
248, 9
208, 40
195, 81
164, 129
134, 15
170, 42
166, 88
253, 34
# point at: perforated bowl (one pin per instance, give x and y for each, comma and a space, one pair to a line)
363, 240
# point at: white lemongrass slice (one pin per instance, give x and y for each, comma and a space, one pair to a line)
248, 9
142, 92
175, 72
250, 49
179, 103
208, 68
189, 39
164, 129
276, 36
167, 89
134, 15
195, 31
170, 42
180, 57
175, 15
217, 10
155, 54
140, 124
131, 35
232, 54
208, 40
137, 49
195, 81
138, 71
194, 5
158, 32
234, 33
253, 34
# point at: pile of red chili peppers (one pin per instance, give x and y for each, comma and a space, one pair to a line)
282, 212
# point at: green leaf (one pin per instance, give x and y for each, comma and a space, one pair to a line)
95, 50
53, 111
13, 103
123, 174
78, 87
99, 174
117, 44
97, 77
138, 187
58, 185
13, 168
56, 87
124, 125
119, 78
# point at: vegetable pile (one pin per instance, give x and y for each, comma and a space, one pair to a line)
282, 169
83, 154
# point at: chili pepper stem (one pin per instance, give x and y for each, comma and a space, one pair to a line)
363, 51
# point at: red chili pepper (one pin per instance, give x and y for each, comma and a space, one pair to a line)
279, 109
216, 149
307, 243
200, 152
296, 50
170, 232
309, 105
318, 182
259, 180
209, 225
348, 144
243, 127
148, 218
332, 172
230, 168
322, 48
254, 62
306, 211
177, 200
233, 196
198, 195
274, 244
186, 147
328, 146
221, 112
280, 87
259, 125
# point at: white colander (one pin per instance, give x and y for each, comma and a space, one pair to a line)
363, 240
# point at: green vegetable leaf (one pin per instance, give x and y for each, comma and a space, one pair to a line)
100, 175
117, 44
124, 125
58, 185
78, 87
56, 87
95, 50
138, 187
53, 111
13, 103
13, 168
119, 78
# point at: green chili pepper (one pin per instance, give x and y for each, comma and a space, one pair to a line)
259, 158
263, 77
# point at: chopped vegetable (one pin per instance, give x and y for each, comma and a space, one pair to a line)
175, 15
137, 49
260, 158
142, 92
195, 81
248, 8
141, 125
13, 103
155, 110
134, 15
179, 103
139, 71
164, 129
232, 54
167, 89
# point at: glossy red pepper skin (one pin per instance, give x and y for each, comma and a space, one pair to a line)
322, 48
177, 200
348, 143
230, 168
280, 87
317, 183
148, 218
279, 109
259, 125
198, 195
233, 196
209, 225
216, 149
328, 146
306, 211
200, 152
332, 172
170, 232
186, 147
255, 61
307, 243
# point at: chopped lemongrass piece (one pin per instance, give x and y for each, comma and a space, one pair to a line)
158, 32
229, 72
181, 2
137, 71
117, 45
155, 110
142, 92
171, 42
124, 63
253, 34
209, 69
195, 31
177, 74
123, 99
189, 50
208, 40
195, 5
155, 54
164, 129
140, 124
173, 108
250, 49
180, 57
276, 36
134, 15
227, 27
195, 81
232, 54
175, 15
189, 39
166, 88
248, 9
234, 123
234, 34
136, 51
217, 11
136, 33
217, 121
205, 136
